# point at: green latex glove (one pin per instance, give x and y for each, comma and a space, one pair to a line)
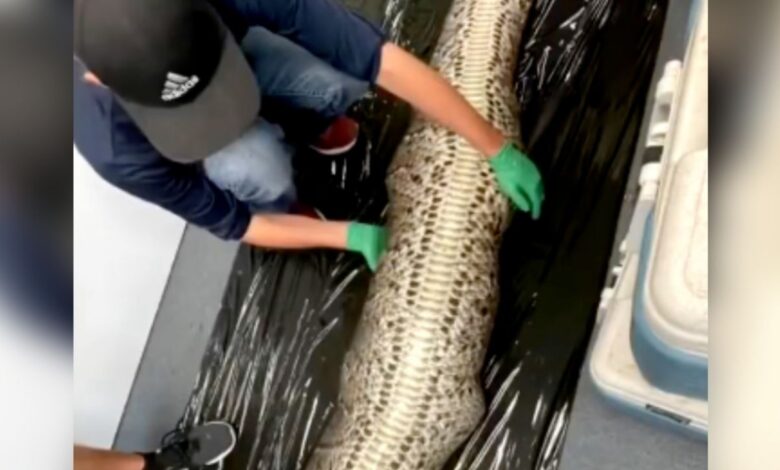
368, 240
519, 179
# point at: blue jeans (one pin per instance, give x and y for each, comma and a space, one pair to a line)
301, 95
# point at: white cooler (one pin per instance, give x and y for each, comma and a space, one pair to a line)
650, 353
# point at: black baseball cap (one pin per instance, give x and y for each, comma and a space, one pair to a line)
174, 66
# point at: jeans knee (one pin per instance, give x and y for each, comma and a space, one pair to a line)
290, 74
264, 194
256, 168
339, 93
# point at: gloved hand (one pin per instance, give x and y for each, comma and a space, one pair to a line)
368, 240
519, 179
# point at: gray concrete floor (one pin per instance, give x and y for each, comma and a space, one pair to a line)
178, 339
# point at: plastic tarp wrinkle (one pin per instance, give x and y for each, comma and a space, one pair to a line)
273, 363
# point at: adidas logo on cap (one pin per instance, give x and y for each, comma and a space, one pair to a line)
177, 86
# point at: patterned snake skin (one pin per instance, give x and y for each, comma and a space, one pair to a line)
410, 392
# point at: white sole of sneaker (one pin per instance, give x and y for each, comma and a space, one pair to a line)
227, 451
335, 151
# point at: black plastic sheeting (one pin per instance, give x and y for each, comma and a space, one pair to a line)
272, 366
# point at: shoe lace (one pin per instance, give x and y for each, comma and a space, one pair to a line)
177, 442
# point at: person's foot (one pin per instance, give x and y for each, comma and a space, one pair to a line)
339, 138
199, 446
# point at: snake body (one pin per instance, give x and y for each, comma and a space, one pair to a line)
410, 389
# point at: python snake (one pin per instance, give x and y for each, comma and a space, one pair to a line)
410, 389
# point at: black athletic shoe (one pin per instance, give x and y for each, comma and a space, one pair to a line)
201, 446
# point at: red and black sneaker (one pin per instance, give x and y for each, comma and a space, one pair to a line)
339, 138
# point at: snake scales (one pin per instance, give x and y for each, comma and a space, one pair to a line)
410, 389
